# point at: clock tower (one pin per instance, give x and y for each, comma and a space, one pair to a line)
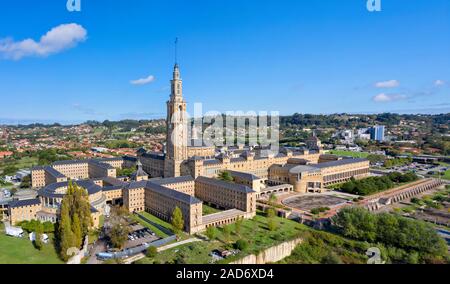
176, 142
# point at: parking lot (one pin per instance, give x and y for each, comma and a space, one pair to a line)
140, 235
424, 170
307, 202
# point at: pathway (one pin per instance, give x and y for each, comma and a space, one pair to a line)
160, 249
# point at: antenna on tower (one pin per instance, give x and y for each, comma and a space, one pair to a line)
176, 50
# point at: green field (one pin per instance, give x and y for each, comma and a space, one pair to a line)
21, 251
447, 172
156, 220
350, 153
25, 162
255, 231
208, 210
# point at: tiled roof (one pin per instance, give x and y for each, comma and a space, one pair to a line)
164, 181
100, 164
112, 181
53, 172
68, 162
130, 158
112, 187
224, 184
317, 167
339, 163
135, 185
156, 156
50, 190
211, 162
243, 175
302, 168
23, 203
183, 197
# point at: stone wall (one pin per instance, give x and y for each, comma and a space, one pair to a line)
272, 254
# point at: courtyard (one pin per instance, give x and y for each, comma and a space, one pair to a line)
307, 202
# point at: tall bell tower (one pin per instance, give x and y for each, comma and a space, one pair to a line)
176, 143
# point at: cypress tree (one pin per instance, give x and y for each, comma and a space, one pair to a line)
177, 220
76, 229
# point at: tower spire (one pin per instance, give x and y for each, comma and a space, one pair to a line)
176, 51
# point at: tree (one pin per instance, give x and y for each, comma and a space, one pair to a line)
211, 233
66, 238
26, 182
393, 231
118, 235
76, 229
177, 220
75, 219
270, 213
272, 224
152, 252
241, 245
226, 176
226, 233
273, 198
238, 225
38, 236
49, 227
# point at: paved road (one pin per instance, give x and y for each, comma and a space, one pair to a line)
99, 246
160, 249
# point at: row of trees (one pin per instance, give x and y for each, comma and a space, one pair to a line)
389, 163
33, 225
393, 231
373, 185
75, 219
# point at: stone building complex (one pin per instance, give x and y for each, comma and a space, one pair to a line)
185, 176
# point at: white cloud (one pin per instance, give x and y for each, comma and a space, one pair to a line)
384, 98
56, 40
439, 83
144, 81
388, 84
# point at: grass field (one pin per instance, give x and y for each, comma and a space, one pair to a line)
25, 162
446, 175
208, 210
21, 251
255, 231
350, 153
156, 220
447, 172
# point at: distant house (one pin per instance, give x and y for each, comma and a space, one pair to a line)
5, 154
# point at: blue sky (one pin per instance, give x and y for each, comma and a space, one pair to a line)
308, 56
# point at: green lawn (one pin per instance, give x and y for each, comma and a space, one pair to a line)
447, 173
350, 153
21, 251
156, 220
255, 231
25, 162
208, 210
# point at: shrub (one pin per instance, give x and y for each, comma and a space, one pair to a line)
152, 252
270, 213
272, 224
241, 245
211, 233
